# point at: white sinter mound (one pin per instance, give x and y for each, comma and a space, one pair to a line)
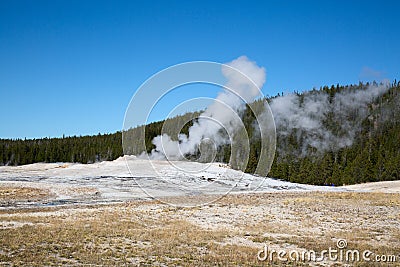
112, 181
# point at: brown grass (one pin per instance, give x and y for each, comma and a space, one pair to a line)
12, 193
229, 232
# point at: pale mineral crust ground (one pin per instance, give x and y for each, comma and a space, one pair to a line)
95, 215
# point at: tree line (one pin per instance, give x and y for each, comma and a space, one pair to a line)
374, 155
82, 149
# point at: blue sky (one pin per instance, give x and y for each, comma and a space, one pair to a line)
71, 67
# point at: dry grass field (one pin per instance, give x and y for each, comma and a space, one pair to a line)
229, 232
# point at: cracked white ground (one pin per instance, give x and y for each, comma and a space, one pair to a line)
113, 181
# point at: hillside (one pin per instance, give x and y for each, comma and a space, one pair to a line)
334, 135
355, 143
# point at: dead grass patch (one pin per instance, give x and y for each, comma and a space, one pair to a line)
10, 193
228, 232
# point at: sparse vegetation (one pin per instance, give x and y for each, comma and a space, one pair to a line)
229, 232
12, 193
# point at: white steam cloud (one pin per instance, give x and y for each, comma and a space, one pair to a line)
241, 87
308, 117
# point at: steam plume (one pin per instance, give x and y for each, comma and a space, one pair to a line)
320, 122
221, 114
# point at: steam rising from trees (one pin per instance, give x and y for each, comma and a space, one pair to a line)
322, 121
